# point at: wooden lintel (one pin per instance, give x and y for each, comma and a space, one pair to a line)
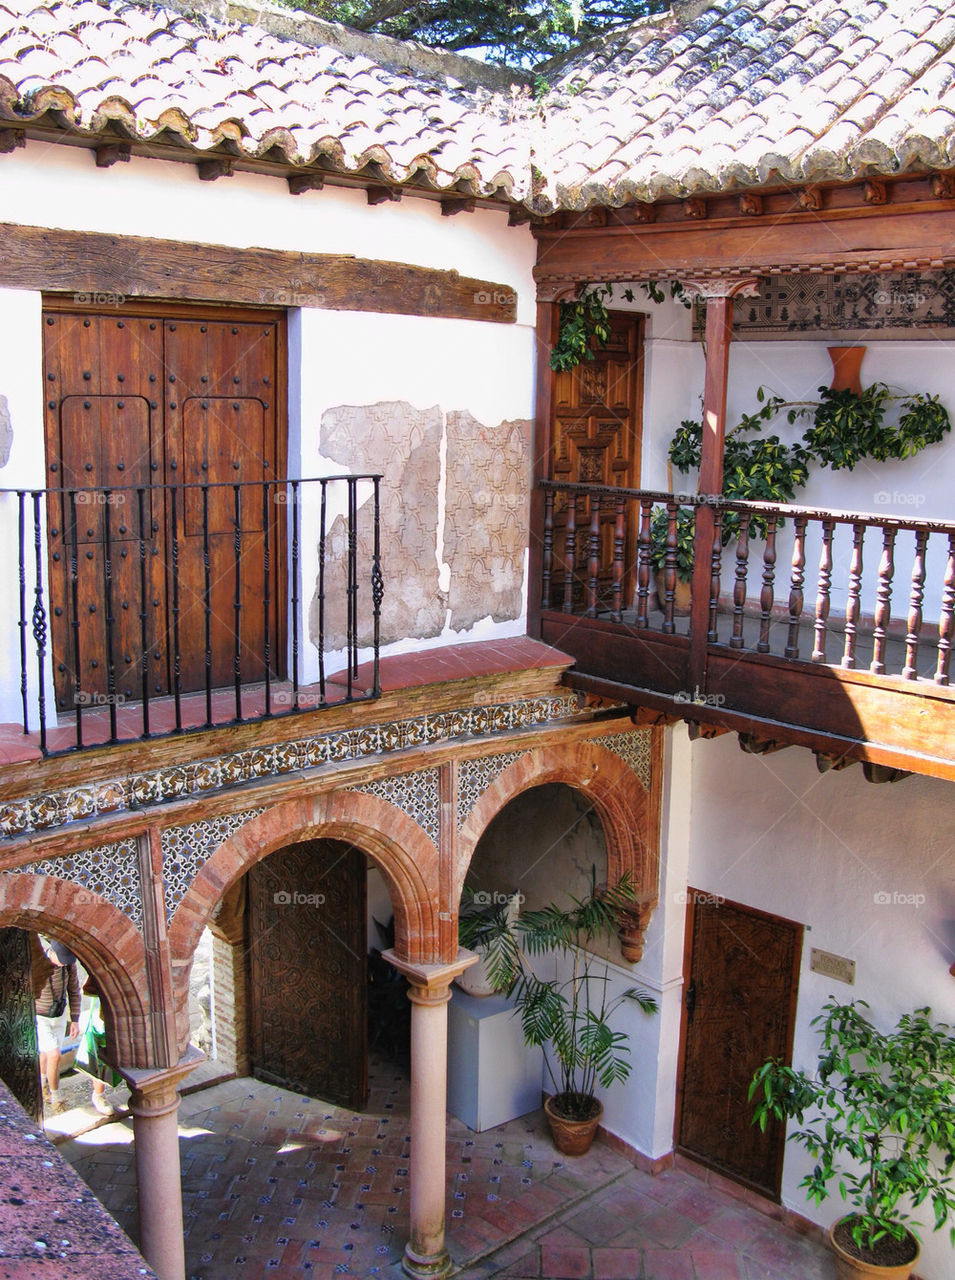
217, 167
10, 139
110, 153
298, 183
864, 238
450, 205
60, 261
381, 195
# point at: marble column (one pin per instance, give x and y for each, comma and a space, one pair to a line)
425, 1253
154, 1105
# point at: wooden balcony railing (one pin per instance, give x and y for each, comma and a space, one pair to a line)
792, 591
145, 611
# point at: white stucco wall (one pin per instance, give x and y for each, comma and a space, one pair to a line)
868, 869
335, 358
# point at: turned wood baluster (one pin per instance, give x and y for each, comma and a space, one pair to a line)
716, 575
547, 564
767, 595
796, 586
619, 540
909, 671
570, 554
946, 619
669, 570
822, 592
855, 590
593, 561
883, 601
643, 563
739, 588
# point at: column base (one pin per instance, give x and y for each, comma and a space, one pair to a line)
428, 1267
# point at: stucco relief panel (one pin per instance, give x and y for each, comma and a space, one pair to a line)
404, 444
486, 518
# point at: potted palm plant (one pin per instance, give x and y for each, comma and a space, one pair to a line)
883, 1129
570, 1015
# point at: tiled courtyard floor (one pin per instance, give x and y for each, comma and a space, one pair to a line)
275, 1184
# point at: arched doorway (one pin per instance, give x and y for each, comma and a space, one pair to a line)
307, 944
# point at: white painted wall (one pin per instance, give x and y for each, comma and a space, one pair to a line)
334, 357
827, 850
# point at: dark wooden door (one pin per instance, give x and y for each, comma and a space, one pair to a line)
741, 981
308, 968
145, 401
596, 439
19, 1061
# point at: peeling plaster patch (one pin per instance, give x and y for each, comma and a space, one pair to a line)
486, 518
404, 444
6, 432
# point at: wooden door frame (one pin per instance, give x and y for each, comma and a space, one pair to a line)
160, 309
692, 897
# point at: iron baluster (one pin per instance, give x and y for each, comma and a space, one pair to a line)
143, 633
267, 595
237, 598
377, 588
22, 572
322, 535
38, 620
110, 657
207, 600
78, 694
177, 653
295, 600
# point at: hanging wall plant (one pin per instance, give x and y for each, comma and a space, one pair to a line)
583, 323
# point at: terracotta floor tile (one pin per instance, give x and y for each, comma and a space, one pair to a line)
617, 1264
667, 1264
565, 1262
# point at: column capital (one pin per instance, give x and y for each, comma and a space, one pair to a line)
721, 286
430, 982
155, 1090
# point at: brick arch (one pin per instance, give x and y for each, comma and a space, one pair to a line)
406, 857
625, 808
106, 941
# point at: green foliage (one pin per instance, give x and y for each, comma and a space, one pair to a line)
583, 322
685, 530
502, 33
849, 426
884, 1126
571, 1016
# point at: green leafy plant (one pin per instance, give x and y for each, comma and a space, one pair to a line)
848, 426
570, 1016
584, 322
685, 531
884, 1128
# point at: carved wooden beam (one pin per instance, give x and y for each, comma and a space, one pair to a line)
299, 183
381, 194
694, 208
110, 153
751, 204
753, 745
943, 186
217, 167
450, 205
10, 139
874, 191
137, 267
882, 772
810, 198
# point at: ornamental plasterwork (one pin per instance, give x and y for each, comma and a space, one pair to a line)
475, 776
416, 794
634, 750
109, 870
185, 849
55, 809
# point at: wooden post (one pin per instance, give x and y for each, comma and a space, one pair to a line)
719, 295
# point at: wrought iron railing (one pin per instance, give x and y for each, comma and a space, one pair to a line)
150, 610
778, 576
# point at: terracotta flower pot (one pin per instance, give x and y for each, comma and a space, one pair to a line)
681, 595
572, 1137
846, 368
851, 1268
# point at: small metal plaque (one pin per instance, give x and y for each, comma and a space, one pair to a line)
837, 967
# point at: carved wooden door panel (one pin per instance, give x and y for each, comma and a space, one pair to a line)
596, 435
308, 1006
739, 1009
19, 1061
150, 400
